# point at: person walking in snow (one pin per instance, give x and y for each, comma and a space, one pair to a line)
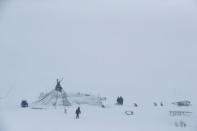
155, 104
161, 103
78, 111
121, 100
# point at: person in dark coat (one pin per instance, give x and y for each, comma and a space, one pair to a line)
118, 100
24, 104
161, 103
78, 111
155, 104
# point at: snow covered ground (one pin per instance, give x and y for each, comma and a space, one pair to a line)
94, 118
144, 50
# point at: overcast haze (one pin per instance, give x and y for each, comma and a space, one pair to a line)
107, 47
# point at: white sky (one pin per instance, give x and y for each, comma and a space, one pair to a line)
138, 49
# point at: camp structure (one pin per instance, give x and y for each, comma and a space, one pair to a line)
182, 103
86, 99
56, 97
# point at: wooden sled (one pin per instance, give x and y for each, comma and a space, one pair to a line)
180, 113
129, 112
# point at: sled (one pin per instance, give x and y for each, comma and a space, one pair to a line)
129, 112
180, 113
37, 108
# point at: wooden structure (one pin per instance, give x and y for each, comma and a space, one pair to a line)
180, 113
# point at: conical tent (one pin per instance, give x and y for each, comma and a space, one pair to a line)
53, 98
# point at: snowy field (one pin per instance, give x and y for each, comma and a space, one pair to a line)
94, 118
144, 50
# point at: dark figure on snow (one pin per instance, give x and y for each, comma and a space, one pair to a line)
58, 87
155, 104
135, 105
24, 104
78, 111
120, 100
161, 103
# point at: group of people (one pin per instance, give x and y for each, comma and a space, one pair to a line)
155, 104
78, 110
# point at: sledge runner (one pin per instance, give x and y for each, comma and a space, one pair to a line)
78, 111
